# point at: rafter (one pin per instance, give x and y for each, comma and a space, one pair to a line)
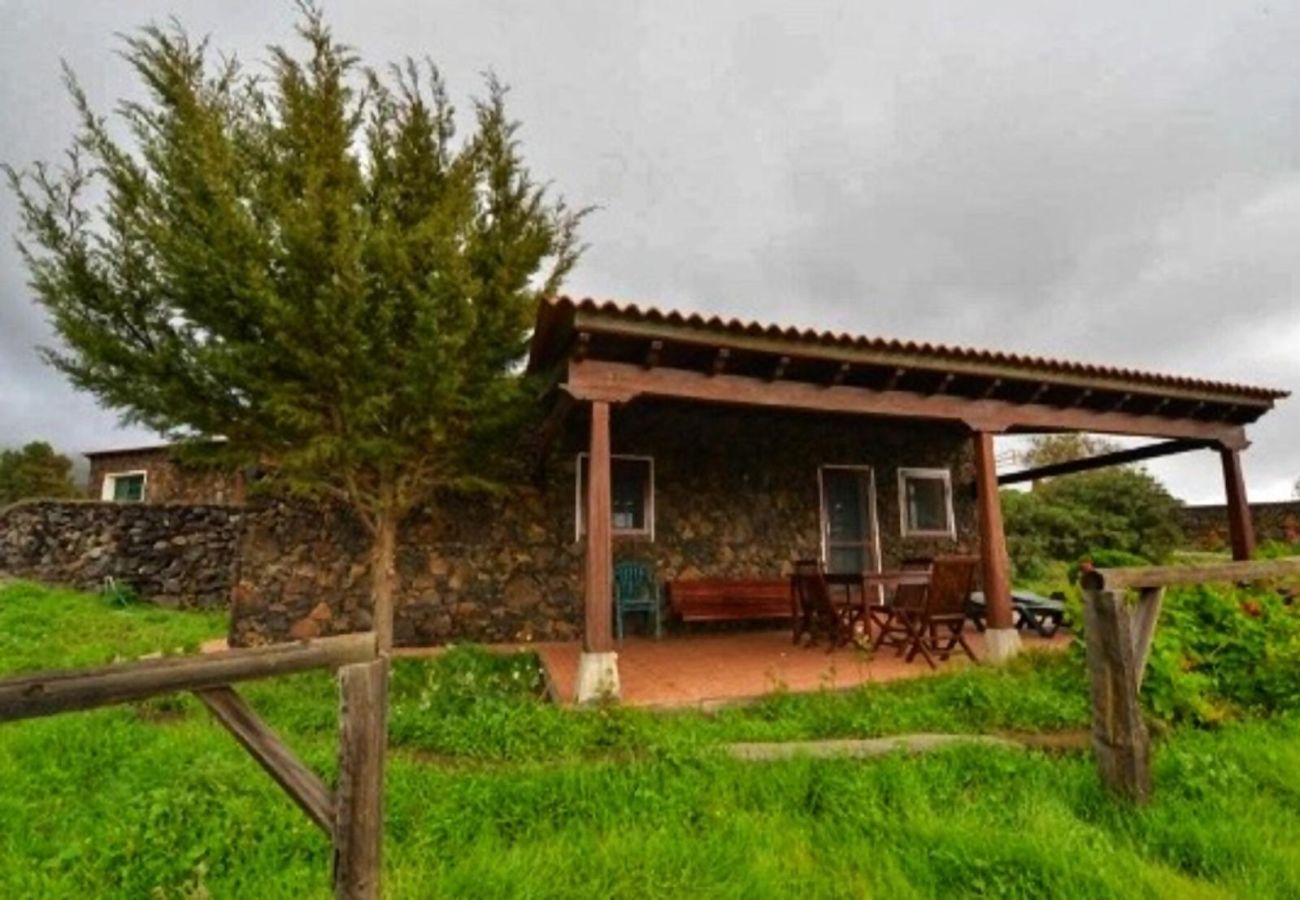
652, 354
779, 372
720, 360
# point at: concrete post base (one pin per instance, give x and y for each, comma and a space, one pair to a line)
597, 677
1001, 645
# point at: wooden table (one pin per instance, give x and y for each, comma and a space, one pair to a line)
864, 584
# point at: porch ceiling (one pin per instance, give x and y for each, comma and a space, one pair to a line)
626, 351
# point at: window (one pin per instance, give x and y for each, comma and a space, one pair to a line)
631, 483
124, 487
925, 496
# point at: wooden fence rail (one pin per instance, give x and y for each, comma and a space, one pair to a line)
1119, 636
351, 814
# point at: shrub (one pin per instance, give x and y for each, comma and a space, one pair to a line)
1219, 650
1069, 517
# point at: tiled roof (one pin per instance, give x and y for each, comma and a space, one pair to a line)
563, 307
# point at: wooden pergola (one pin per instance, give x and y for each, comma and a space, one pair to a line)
604, 354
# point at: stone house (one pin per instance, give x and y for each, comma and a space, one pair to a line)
154, 474
711, 449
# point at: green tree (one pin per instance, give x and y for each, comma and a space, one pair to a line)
1049, 449
35, 470
1120, 509
311, 266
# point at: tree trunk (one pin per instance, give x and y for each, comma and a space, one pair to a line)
383, 577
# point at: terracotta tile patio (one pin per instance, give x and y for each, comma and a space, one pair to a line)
709, 670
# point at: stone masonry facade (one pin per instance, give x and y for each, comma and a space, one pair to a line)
182, 555
167, 480
736, 495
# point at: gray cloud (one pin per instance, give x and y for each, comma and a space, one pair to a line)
1111, 181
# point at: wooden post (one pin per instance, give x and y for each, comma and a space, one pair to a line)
1001, 639
302, 785
1239, 524
598, 664
359, 797
597, 635
1119, 736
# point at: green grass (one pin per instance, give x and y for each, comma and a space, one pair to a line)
491, 793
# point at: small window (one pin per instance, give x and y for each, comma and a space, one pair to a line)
124, 488
925, 496
631, 483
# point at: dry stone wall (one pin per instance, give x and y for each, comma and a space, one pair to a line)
178, 555
1206, 527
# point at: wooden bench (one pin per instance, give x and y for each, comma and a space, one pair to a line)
729, 599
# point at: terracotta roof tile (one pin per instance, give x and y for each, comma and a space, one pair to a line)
1032, 365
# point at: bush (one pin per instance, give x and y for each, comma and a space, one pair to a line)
1220, 650
1067, 518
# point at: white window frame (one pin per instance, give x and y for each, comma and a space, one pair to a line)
108, 489
873, 520
945, 475
579, 508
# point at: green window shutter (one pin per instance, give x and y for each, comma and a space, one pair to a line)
128, 488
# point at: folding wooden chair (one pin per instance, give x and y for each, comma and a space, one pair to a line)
930, 619
814, 611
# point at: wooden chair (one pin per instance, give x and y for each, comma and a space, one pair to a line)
636, 591
930, 618
814, 611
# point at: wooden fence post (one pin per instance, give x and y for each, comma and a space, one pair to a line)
1119, 736
359, 797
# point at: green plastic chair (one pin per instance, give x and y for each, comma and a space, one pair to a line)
636, 591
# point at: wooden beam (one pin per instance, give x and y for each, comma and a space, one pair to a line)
652, 354
1240, 527
598, 635
1211, 573
720, 360
840, 374
1040, 392
991, 389
302, 785
1160, 406
1101, 461
945, 383
359, 798
894, 378
621, 381
53, 692
1081, 398
1121, 402
1145, 616
581, 346
779, 372
995, 564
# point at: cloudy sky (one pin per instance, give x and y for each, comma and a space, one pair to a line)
1112, 181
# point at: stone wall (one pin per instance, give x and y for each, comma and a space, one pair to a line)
1206, 527
736, 495
167, 480
174, 555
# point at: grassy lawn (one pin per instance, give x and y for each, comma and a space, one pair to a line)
493, 793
